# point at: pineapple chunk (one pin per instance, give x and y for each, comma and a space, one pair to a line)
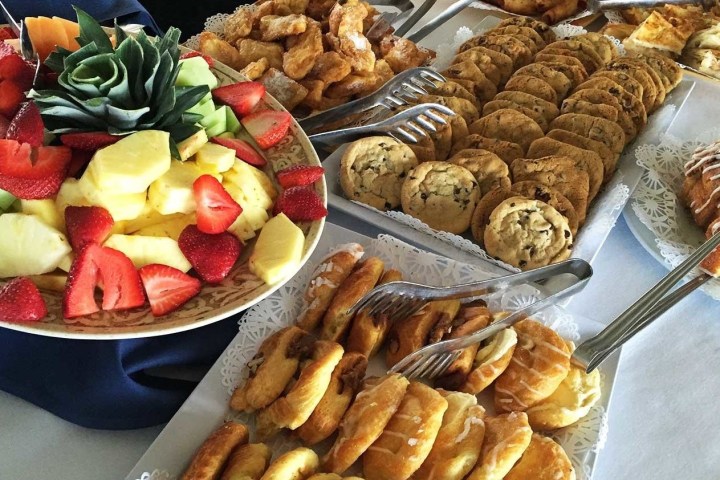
131, 164
173, 192
66, 262
246, 190
250, 220
28, 246
45, 210
171, 228
55, 282
146, 250
70, 194
149, 216
121, 207
246, 170
214, 158
278, 250
189, 147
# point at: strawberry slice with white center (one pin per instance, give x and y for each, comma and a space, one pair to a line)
20, 301
268, 127
32, 172
241, 97
216, 209
89, 141
87, 225
243, 150
167, 288
27, 126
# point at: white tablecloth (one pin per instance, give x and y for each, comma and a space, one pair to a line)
663, 419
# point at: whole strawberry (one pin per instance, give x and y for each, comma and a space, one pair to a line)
20, 301
299, 175
300, 204
211, 255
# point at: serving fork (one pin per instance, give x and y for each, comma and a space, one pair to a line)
399, 300
26, 48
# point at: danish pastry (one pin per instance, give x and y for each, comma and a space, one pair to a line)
570, 402
457, 446
215, 450
508, 151
344, 384
506, 438
293, 408
508, 125
538, 191
411, 334
595, 128
272, 369
488, 169
539, 364
408, 437
326, 279
296, 464
490, 361
247, 462
543, 460
336, 321
365, 421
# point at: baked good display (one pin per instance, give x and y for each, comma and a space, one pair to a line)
491, 360
214, 452
247, 461
543, 459
506, 438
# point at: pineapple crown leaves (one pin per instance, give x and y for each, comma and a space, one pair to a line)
120, 89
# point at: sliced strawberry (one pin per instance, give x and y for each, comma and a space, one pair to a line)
211, 255
216, 209
194, 53
27, 125
87, 225
20, 301
32, 173
89, 141
6, 49
299, 175
243, 150
78, 162
4, 125
6, 33
122, 288
241, 97
11, 96
268, 127
300, 204
13, 67
167, 288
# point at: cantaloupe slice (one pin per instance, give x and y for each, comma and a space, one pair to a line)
72, 31
44, 35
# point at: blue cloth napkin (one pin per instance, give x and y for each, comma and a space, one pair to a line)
104, 384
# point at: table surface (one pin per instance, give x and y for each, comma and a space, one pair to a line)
663, 423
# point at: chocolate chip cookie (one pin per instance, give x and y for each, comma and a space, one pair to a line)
549, 195
623, 80
484, 62
603, 98
650, 93
561, 57
462, 107
576, 75
488, 169
596, 128
453, 89
485, 207
543, 29
532, 85
582, 51
495, 105
538, 41
547, 109
557, 80
508, 151
503, 62
607, 156
484, 89
509, 125
603, 46
630, 103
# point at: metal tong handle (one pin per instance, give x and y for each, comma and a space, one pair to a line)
414, 18
577, 267
436, 22
12, 23
647, 308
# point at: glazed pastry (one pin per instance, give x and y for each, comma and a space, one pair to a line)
485, 207
598, 129
365, 421
572, 400
537, 87
575, 75
442, 195
501, 61
508, 151
539, 364
215, 450
543, 460
294, 465
506, 439
538, 191
272, 369
609, 159
408, 437
457, 446
495, 105
372, 170
368, 333
557, 80
326, 279
344, 384
295, 406
336, 321
701, 187
547, 109
508, 125
490, 361
488, 169
247, 462
410, 334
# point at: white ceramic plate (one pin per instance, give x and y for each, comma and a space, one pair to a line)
207, 406
236, 293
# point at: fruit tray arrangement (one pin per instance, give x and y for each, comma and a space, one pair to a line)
157, 177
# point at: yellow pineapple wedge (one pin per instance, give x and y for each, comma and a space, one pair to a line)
278, 250
66, 262
149, 216
171, 228
248, 222
189, 147
144, 250
121, 207
29, 246
45, 210
214, 158
54, 282
131, 164
69, 194
173, 191
248, 187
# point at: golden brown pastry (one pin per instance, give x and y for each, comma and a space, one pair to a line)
294, 407
365, 421
490, 361
363, 278
543, 460
457, 446
410, 334
368, 333
296, 464
247, 462
344, 384
215, 450
506, 438
326, 279
661, 34
539, 364
408, 437
272, 369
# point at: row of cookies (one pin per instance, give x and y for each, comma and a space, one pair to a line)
314, 54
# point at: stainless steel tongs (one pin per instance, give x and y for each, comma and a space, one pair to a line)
26, 47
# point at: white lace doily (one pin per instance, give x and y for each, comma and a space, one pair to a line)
656, 200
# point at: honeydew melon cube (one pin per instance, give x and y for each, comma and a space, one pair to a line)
29, 246
203, 107
231, 121
6, 200
144, 250
195, 71
214, 158
215, 123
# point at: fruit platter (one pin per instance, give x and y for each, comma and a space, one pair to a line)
145, 189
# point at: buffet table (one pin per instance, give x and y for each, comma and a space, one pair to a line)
662, 422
